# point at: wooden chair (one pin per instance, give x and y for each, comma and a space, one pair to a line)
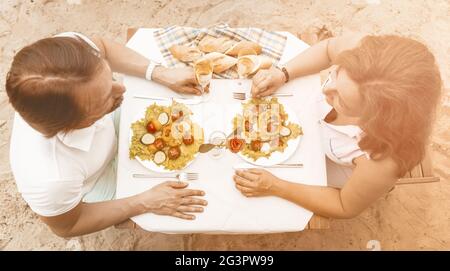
422, 173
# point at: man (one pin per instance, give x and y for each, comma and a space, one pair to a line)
63, 141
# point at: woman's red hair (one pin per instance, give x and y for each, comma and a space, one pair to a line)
400, 84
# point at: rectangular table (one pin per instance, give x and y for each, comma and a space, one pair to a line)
228, 211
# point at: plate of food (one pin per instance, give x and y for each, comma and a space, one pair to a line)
265, 132
165, 138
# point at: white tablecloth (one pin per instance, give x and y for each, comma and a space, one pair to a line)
228, 211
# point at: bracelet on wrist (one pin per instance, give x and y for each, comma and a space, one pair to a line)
286, 74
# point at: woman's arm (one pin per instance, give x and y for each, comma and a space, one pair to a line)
369, 181
321, 55
313, 60
168, 198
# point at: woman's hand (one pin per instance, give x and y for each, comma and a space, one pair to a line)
169, 198
255, 182
266, 82
181, 80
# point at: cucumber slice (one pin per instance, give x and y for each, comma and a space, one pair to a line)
159, 157
265, 147
147, 139
285, 131
163, 118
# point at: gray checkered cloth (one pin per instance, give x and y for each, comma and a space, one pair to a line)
272, 43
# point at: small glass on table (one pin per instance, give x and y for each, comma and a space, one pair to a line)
219, 139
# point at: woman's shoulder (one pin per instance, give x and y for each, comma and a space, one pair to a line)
345, 42
386, 167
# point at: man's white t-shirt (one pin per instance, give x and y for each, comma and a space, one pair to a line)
53, 174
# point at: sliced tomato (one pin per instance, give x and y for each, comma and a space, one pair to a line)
236, 144
159, 144
188, 140
174, 153
256, 145
151, 127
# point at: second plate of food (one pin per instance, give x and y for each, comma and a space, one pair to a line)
266, 132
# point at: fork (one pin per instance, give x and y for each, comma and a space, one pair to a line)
243, 96
185, 99
183, 176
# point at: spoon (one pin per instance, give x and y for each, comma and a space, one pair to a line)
206, 147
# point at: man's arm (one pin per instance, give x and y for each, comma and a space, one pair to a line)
127, 61
168, 198
91, 217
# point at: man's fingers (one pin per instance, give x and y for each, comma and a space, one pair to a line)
193, 201
189, 209
190, 90
243, 182
183, 216
177, 185
191, 192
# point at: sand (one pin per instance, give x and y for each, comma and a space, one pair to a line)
412, 217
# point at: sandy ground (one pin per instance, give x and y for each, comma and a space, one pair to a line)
412, 217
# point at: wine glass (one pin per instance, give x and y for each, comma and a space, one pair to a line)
203, 73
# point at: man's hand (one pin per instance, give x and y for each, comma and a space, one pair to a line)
181, 80
169, 198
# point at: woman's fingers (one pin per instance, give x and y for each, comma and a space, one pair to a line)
255, 91
262, 87
255, 171
247, 174
259, 84
189, 209
243, 189
259, 76
193, 201
243, 182
264, 83
266, 92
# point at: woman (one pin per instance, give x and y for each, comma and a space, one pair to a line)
63, 141
380, 100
